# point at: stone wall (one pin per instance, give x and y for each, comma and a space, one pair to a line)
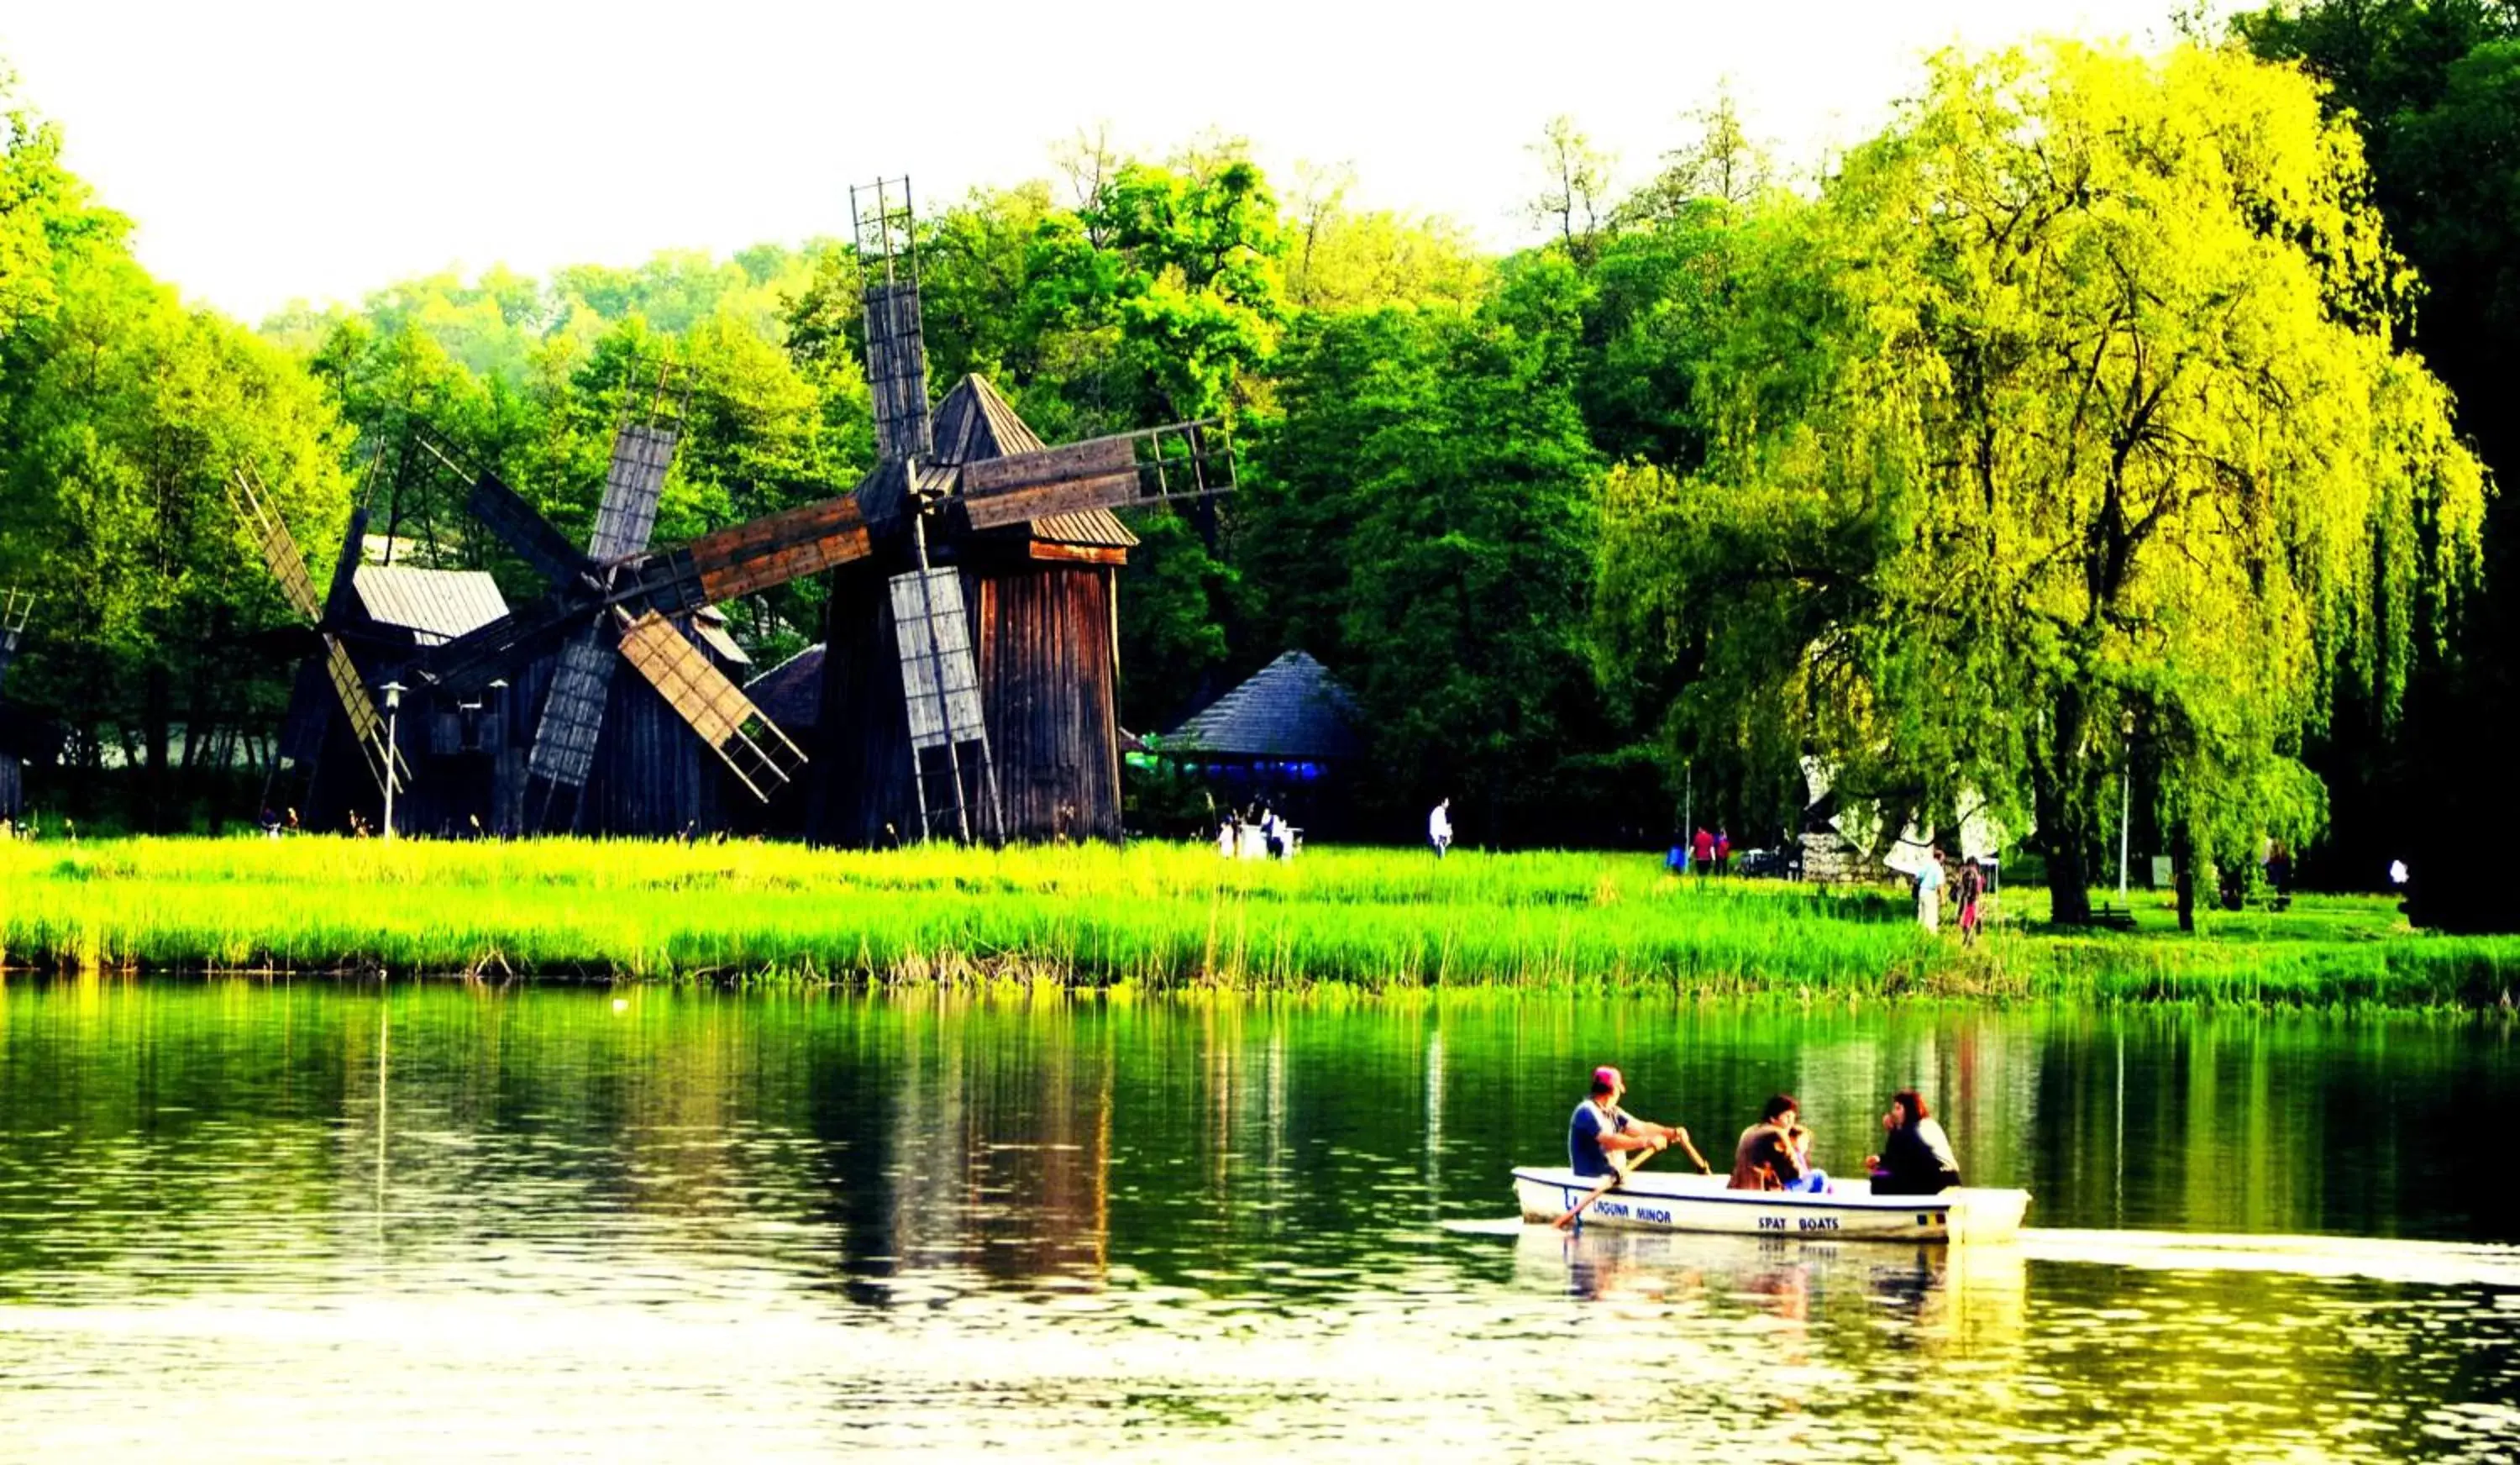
1829, 859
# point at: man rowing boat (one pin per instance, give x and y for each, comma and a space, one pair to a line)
1601, 1129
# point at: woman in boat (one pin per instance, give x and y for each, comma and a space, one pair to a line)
1775, 1154
1916, 1158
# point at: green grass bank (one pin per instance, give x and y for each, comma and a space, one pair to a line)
1150, 915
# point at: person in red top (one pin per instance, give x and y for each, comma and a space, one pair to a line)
1723, 852
1701, 849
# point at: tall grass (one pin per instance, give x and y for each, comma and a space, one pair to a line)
1153, 916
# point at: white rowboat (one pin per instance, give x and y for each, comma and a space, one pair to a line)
1850, 1211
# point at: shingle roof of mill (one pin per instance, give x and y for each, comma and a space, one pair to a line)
791, 694
975, 423
435, 605
1291, 708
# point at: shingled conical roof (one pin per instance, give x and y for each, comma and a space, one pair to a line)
975, 423
1291, 708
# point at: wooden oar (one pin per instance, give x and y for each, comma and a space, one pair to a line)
1610, 1183
1680, 1138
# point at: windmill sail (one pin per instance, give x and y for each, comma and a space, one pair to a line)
302, 726
279, 551
508, 516
641, 453
1171, 464
572, 717
716, 708
940, 682
771, 551
14, 610
879, 213
897, 370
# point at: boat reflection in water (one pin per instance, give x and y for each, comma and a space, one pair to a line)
1960, 1294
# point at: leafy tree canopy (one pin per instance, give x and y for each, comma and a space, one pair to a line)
2063, 430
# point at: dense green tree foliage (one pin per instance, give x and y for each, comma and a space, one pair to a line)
2433, 88
2062, 433
122, 414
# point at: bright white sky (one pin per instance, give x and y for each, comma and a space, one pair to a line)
275, 149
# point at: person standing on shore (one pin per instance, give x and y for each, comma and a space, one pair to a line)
1929, 891
1701, 850
1972, 888
1439, 827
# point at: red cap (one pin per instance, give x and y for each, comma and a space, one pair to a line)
1608, 1078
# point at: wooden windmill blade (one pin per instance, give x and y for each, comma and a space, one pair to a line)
751, 744
773, 550
524, 529
565, 735
572, 716
642, 452
301, 725
279, 550
880, 217
504, 512
14, 610
1172, 463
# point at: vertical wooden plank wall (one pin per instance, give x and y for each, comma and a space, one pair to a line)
1051, 685
857, 772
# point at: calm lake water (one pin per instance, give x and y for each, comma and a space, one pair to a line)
338, 1221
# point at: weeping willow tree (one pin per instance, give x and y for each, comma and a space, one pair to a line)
2060, 435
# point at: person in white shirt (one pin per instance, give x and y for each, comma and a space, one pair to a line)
1439, 827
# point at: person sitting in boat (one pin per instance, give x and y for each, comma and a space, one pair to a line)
1916, 1158
1775, 1154
1601, 1129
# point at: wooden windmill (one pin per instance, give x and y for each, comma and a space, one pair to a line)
970, 669
575, 636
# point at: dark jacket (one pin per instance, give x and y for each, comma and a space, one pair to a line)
1915, 1160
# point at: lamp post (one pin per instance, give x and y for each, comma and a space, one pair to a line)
394, 723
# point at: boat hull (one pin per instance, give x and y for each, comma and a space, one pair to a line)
1850, 1211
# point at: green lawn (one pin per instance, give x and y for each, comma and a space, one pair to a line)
1149, 916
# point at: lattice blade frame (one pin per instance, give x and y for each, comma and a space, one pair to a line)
897, 370
367, 725
572, 716
940, 679
13, 609
1171, 464
279, 551
641, 455
751, 744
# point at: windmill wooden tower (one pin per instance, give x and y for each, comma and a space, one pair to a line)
1007, 549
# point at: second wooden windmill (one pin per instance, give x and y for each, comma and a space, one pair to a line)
970, 673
